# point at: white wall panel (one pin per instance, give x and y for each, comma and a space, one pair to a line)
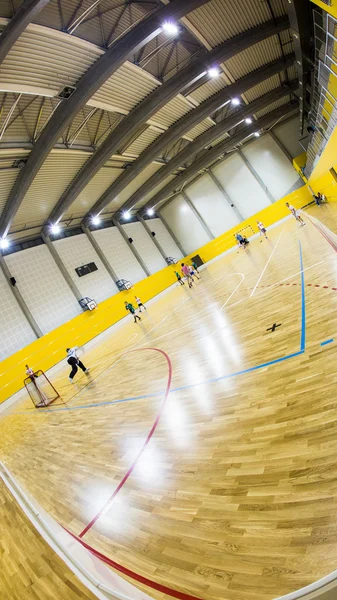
43, 288
164, 238
184, 224
119, 254
212, 205
77, 251
242, 187
271, 164
15, 332
289, 135
145, 246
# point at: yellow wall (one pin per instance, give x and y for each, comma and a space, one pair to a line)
47, 351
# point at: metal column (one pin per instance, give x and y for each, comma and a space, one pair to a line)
61, 267
198, 215
257, 177
155, 241
172, 234
132, 248
280, 145
4, 268
225, 195
100, 253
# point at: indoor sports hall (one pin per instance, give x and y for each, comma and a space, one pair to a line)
168, 284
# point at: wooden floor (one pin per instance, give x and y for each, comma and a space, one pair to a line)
235, 495
30, 570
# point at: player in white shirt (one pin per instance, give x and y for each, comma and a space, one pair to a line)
262, 229
74, 362
295, 213
139, 304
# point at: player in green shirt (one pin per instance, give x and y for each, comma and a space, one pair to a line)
179, 278
132, 311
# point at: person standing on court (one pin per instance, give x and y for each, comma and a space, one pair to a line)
132, 311
74, 362
186, 272
295, 213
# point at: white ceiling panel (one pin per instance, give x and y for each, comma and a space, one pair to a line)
43, 61
93, 191
172, 111
51, 181
219, 20
132, 187
128, 86
143, 141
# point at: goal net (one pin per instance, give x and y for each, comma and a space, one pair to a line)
40, 390
246, 231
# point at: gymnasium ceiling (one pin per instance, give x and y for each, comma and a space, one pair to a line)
53, 164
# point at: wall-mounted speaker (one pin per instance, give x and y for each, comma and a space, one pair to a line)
130, 240
13, 281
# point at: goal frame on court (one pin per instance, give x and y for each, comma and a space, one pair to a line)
40, 390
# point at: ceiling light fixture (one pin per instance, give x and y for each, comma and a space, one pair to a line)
4, 243
248, 121
126, 215
96, 220
213, 72
236, 101
150, 212
170, 28
55, 228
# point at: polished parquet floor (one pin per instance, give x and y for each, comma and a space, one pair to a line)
234, 496
30, 570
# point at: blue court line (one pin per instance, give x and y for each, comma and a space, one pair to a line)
303, 326
208, 381
326, 342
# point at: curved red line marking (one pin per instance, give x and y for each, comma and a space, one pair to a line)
148, 439
132, 574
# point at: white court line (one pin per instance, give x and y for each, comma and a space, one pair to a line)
233, 292
267, 263
278, 283
193, 318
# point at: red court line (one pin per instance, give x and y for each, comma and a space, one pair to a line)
135, 576
148, 439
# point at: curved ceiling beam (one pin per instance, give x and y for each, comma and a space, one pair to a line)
18, 24
184, 125
86, 87
215, 152
156, 100
204, 140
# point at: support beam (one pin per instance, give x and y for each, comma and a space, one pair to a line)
198, 215
86, 87
172, 234
156, 100
61, 267
225, 194
18, 297
179, 129
154, 240
16, 26
132, 248
256, 175
281, 146
100, 253
217, 151
202, 141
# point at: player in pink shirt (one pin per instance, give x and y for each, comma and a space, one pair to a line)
186, 272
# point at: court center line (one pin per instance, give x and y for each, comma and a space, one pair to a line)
267, 263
